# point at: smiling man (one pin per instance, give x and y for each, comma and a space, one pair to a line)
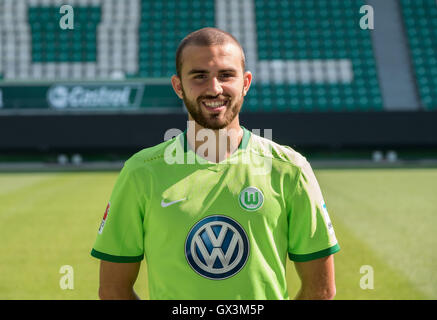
213, 105
217, 228
212, 81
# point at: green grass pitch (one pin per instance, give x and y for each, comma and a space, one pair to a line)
384, 218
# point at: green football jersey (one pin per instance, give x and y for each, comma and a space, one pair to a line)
216, 230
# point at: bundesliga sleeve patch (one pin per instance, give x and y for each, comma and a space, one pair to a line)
327, 219
104, 218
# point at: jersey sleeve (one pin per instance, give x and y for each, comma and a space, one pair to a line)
120, 237
311, 234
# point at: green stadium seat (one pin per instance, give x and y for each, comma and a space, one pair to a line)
305, 37
60, 45
420, 18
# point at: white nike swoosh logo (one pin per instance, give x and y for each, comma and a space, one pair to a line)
166, 204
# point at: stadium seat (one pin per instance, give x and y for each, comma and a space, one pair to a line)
420, 18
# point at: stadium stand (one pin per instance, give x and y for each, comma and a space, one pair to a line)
163, 25
420, 18
318, 49
306, 55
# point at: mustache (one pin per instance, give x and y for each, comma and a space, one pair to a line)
221, 97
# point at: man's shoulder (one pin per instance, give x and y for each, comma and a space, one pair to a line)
282, 153
149, 155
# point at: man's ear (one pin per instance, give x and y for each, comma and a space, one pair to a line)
247, 80
177, 85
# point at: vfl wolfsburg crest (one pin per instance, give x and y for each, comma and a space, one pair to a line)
251, 199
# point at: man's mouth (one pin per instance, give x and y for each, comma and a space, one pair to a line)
215, 105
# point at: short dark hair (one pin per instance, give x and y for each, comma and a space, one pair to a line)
206, 37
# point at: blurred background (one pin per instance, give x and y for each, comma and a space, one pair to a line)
350, 84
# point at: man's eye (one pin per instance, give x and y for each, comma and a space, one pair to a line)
200, 76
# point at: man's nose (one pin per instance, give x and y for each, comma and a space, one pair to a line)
214, 87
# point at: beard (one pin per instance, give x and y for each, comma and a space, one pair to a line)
212, 121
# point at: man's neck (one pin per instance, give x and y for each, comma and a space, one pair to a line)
214, 145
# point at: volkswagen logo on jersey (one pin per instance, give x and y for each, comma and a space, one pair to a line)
217, 247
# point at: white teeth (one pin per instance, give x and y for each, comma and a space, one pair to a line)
215, 104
